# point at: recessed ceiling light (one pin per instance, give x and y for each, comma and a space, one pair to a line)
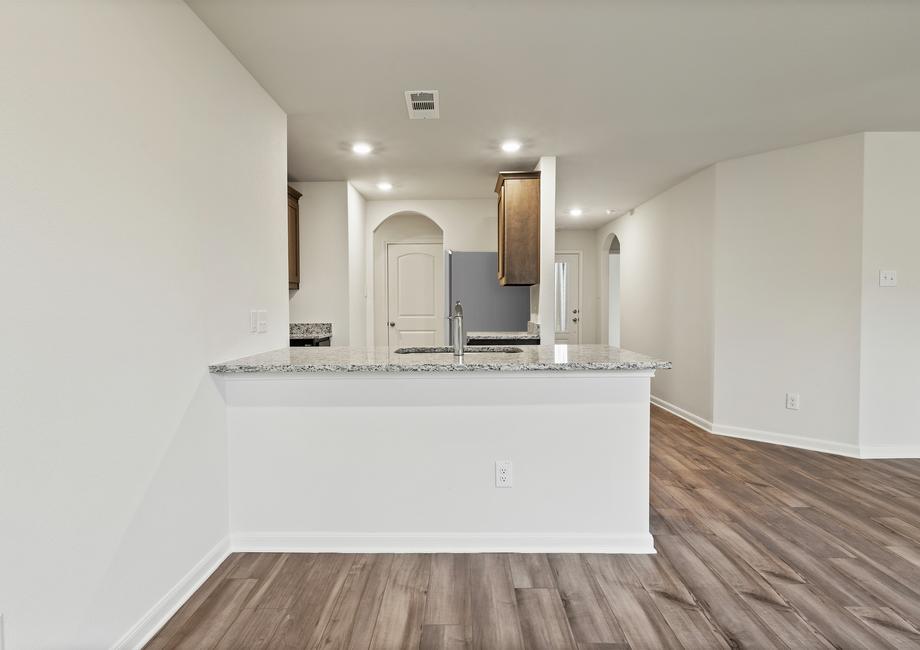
510, 146
612, 210
361, 148
575, 212
383, 185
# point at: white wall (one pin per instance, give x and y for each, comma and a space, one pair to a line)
466, 225
357, 271
323, 296
543, 295
790, 300
584, 242
399, 431
337, 251
787, 269
143, 197
890, 321
666, 288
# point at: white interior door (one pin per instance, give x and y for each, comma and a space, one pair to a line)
568, 298
415, 295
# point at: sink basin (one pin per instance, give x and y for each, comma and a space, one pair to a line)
446, 349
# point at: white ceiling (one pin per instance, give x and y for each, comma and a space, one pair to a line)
631, 96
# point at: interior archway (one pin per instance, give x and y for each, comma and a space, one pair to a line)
404, 228
612, 247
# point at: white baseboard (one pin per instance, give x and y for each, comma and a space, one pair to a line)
169, 604
323, 542
692, 418
785, 439
889, 451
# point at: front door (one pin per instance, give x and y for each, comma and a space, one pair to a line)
415, 295
568, 296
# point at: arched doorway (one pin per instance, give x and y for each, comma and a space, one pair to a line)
408, 281
613, 292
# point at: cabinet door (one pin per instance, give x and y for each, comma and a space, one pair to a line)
522, 231
501, 234
293, 244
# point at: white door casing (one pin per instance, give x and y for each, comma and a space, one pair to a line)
415, 295
613, 300
568, 298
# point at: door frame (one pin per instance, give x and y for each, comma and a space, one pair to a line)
386, 280
581, 310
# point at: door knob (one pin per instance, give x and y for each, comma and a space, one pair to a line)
392, 324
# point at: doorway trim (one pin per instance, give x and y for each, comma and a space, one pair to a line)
581, 310
613, 316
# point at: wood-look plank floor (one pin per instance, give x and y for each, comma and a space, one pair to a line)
759, 546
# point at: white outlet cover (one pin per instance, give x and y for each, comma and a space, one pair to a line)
503, 477
792, 401
887, 278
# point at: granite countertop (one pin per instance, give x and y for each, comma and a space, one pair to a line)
300, 331
495, 336
356, 359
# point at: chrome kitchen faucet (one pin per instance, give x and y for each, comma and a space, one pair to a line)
456, 320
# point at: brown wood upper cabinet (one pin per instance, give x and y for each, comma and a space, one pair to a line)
293, 238
518, 228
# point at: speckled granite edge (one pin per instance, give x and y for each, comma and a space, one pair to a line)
503, 336
469, 349
383, 360
428, 367
310, 330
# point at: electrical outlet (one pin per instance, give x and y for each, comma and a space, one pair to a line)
503, 473
792, 401
887, 278
253, 321
262, 324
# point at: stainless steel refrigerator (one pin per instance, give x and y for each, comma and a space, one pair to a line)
487, 306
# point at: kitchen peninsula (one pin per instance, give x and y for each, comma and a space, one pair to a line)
370, 449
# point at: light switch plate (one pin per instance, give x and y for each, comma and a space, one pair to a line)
887, 278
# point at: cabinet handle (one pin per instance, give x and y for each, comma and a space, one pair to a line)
392, 324
575, 320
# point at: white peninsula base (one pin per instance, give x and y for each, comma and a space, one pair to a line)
405, 462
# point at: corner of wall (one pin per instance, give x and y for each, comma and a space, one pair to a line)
860, 433
545, 292
357, 289
889, 317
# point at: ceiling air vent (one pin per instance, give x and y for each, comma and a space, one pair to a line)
423, 104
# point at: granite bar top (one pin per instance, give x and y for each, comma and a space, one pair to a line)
510, 336
310, 330
377, 360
